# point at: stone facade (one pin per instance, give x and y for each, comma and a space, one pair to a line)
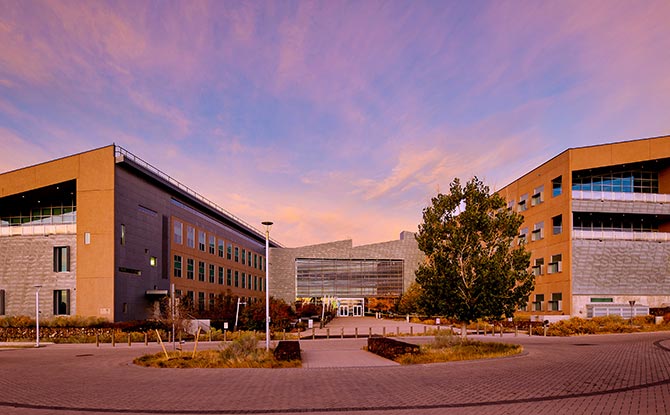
26, 261
283, 268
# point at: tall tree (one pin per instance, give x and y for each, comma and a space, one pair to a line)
473, 268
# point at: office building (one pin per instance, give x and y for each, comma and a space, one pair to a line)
597, 223
105, 234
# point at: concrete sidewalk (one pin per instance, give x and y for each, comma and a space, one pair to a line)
346, 353
363, 327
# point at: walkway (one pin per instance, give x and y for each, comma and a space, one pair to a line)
578, 375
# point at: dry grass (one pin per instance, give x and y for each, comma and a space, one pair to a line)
241, 353
449, 348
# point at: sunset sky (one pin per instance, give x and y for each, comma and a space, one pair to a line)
334, 119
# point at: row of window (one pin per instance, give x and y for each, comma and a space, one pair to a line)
537, 197
538, 230
631, 181
555, 304
207, 301
215, 246
61, 302
553, 267
216, 274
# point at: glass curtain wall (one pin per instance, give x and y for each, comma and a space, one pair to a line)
349, 277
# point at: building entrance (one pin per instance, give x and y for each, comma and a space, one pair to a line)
350, 307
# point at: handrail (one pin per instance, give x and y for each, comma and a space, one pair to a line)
120, 151
621, 196
621, 235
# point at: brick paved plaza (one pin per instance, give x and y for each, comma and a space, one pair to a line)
608, 374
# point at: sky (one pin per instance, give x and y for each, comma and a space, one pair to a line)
333, 119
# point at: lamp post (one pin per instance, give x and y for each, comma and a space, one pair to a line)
37, 315
267, 225
632, 304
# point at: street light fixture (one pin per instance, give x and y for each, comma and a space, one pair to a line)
37, 315
267, 225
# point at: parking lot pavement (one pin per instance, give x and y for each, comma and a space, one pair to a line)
578, 375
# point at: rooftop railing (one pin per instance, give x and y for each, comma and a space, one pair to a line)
125, 154
621, 196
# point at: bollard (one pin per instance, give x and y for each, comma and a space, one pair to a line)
146, 338
425, 330
397, 330
113, 338
530, 329
501, 330
284, 335
97, 339
369, 331
516, 331
342, 333
209, 334
129, 338
328, 333
545, 331
484, 329
356, 335
438, 329
411, 330
313, 333
384, 331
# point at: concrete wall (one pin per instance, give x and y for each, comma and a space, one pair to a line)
283, 270
26, 261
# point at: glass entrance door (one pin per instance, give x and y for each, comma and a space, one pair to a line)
357, 311
343, 311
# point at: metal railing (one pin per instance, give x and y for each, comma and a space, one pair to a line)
125, 154
39, 229
621, 235
621, 196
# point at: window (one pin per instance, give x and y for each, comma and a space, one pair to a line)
537, 304
190, 267
249, 281
244, 280
523, 236
510, 205
212, 244
557, 224
538, 196
123, 234
61, 302
177, 294
220, 275
237, 279
201, 301
229, 254
201, 271
244, 256
61, 258
555, 264
557, 186
221, 248
556, 303
177, 266
153, 261
178, 227
537, 268
190, 299
229, 277
249, 258
255, 261
523, 206
261, 281
212, 276
538, 231
190, 237
602, 300
2, 302
261, 262
255, 283
212, 300
201, 240
237, 254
